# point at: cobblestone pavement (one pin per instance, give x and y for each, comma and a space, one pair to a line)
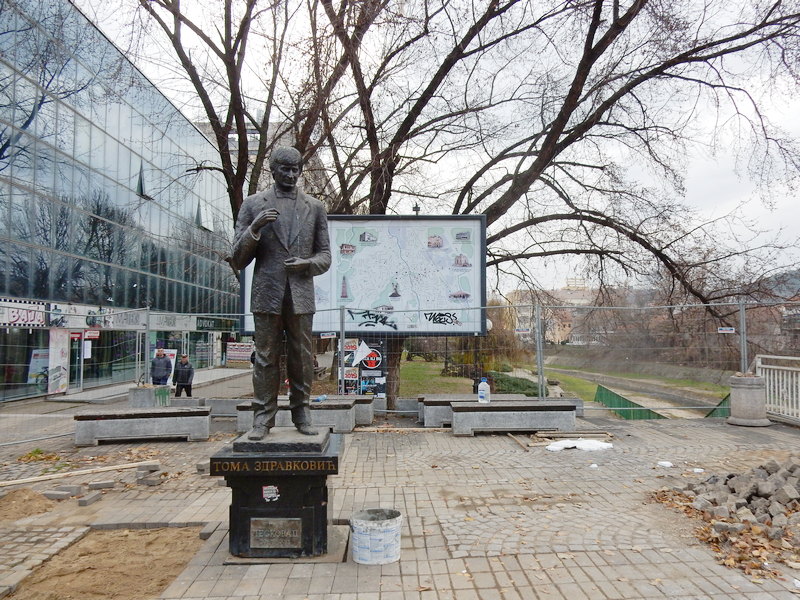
484, 518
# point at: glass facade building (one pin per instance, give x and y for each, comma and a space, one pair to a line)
102, 207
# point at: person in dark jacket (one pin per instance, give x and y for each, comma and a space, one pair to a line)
160, 368
182, 378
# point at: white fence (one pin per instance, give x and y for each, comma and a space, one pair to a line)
782, 377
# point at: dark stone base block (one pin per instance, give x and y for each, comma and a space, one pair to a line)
279, 505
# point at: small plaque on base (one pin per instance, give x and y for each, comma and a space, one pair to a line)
276, 533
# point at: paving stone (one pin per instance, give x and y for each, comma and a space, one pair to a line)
90, 498
56, 494
102, 485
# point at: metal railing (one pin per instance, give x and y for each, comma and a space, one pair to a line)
782, 379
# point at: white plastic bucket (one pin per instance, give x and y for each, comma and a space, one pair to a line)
375, 538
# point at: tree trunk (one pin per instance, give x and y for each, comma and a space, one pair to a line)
394, 348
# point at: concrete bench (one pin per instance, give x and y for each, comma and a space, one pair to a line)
339, 414
512, 415
320, 372
364, 406
435, 410
142, 423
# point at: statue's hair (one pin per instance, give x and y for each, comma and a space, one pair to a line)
285, 155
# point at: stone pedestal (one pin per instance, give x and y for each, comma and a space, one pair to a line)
279, 505
748, 402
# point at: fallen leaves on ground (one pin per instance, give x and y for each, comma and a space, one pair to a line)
750, 550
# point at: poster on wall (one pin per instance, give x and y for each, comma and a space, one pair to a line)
58, 381
365, 368
38, 366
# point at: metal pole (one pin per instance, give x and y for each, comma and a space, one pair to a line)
539, 351
341, 350
743, 362
146, 341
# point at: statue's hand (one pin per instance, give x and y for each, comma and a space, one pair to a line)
295, 264
268, 215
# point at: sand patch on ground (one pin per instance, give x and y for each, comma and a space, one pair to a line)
121, 564
18, 504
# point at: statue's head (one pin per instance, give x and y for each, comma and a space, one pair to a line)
286, 165
285, 155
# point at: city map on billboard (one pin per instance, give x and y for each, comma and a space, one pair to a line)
400, 275
404, 275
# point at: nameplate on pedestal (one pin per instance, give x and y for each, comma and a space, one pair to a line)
275, 533
250, 466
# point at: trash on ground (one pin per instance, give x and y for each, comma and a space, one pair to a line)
580, 444
664, 463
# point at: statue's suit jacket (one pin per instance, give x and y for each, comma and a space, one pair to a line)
309, 240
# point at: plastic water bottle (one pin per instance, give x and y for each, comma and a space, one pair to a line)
321, 398
484, 393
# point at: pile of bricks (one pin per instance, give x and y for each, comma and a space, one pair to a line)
768, 495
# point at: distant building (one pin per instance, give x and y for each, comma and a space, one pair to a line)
366, 236
463, 236
346, 249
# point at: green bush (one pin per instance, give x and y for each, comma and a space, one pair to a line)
506, 384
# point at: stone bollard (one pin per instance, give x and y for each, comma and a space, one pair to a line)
148, 397
748, 402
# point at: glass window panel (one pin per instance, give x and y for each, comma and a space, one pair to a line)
125, 168
21, 222
63, 177
97, 109
111, 158
112, 119
62, 230
4, 268
45, 168
42, 265
120, 287
152, 292
21, 149
7, 78
5, 207
132, 291
92, 279
80, 183
59, 277
45, 118
43, 216
19, 267
83, 139
26, 102
65, 139
98, 151
8, 28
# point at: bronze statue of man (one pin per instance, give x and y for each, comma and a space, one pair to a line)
286, 232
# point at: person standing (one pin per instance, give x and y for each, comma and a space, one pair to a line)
286, 232
182, 378
160, 368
